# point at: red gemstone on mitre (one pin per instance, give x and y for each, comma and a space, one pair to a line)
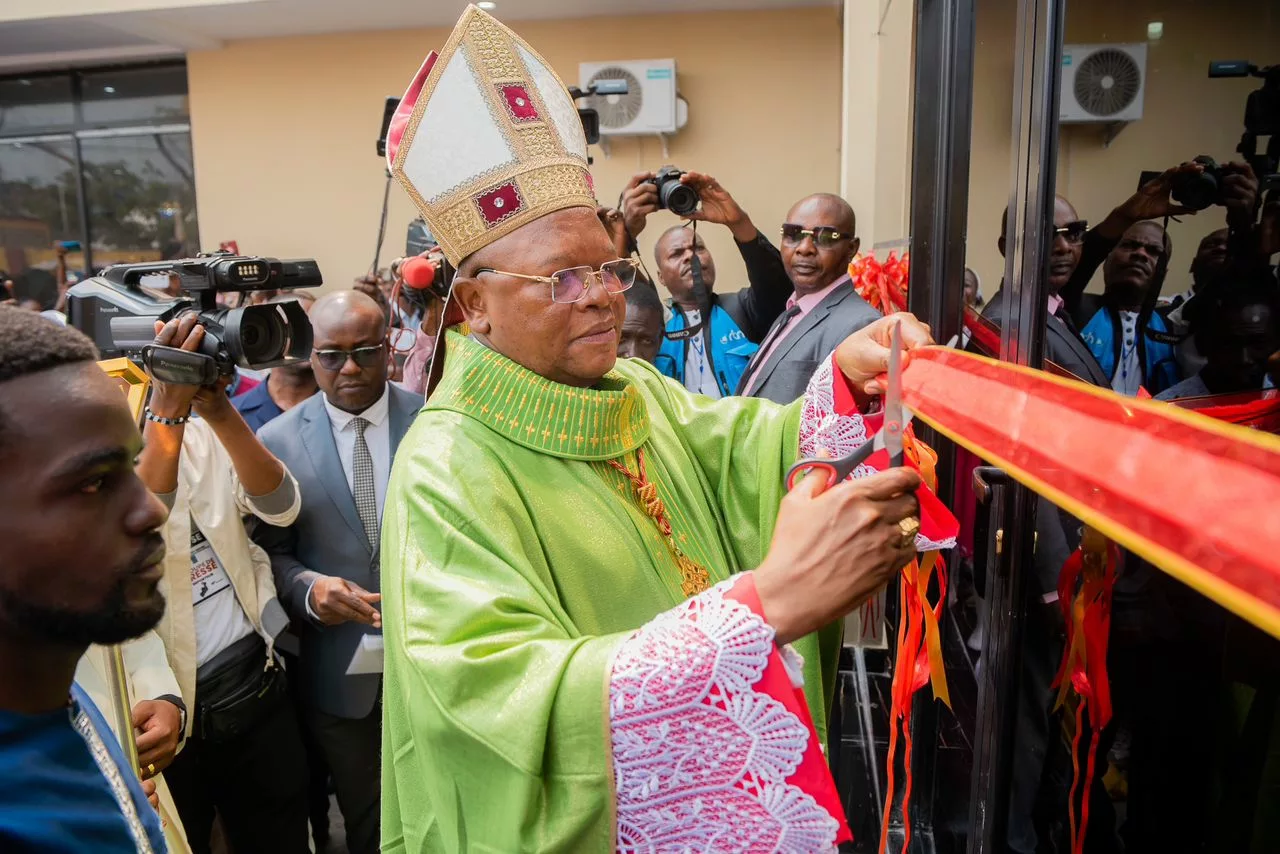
519, 104
501, 202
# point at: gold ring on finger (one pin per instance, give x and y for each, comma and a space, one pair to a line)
909, 527
151, 769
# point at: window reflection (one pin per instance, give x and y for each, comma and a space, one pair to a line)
38, 206
141, 197
35, 103
150, 95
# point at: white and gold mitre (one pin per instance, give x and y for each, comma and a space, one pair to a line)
487, 139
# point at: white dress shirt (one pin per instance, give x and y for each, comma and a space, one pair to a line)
698, 376
377, 436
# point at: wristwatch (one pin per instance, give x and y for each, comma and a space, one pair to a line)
182, 708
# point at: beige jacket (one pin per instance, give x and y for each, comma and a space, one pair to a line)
149, 676
209, 491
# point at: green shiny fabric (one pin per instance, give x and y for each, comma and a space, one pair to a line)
515, 561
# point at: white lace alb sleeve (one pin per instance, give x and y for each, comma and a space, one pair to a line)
701, 754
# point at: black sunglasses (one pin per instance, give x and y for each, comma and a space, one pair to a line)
1074, 232
364, 357
824, 236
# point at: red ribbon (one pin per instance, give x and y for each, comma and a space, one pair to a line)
1259, 410
1193, 496
1085, 587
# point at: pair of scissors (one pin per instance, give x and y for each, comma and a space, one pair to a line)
889, 438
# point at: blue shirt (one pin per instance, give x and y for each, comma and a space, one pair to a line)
54, 797
256, 406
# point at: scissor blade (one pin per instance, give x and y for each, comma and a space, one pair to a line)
893, 423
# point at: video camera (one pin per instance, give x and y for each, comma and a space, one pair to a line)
1261, 118
589, 117
119, 314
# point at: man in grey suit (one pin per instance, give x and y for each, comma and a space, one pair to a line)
341, 443
818, 242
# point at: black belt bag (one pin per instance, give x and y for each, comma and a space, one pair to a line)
237, 690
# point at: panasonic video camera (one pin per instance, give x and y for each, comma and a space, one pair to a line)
119, 314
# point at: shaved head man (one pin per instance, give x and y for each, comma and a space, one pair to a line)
326, 563
818, 244
350, 356
818, 241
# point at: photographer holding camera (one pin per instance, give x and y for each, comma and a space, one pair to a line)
243, 755
712, 359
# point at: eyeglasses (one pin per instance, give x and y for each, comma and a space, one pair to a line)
364, 357
1073, 231
824, 236
572, 284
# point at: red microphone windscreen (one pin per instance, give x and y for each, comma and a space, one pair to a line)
418, 273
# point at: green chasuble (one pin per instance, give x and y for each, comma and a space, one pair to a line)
515, 560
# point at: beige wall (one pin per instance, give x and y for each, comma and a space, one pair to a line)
876, 155
284, 129
1185, 112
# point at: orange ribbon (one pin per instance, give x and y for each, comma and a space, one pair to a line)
1085, 587
918, 660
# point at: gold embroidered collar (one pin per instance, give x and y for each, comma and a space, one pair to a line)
572, 423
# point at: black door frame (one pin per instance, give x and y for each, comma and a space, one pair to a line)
944, 54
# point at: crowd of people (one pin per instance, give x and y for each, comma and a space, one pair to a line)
275, 494
552, 532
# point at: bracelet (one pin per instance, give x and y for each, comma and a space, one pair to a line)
168, 422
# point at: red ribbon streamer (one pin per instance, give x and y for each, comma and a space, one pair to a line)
1085, 588
1193, 496
1259, 410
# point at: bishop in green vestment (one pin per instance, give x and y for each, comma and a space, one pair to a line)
585, 622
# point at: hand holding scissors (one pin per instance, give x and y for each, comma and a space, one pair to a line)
889, 438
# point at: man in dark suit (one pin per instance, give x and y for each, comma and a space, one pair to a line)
818, 242
326, 564
1075, 255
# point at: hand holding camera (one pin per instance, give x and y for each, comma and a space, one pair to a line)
1161, 195
639, 199
173, 400
718, 206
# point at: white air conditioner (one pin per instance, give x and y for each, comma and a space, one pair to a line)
650, 105
1102, 82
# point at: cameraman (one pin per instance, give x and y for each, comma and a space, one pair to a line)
712, 361
243, 754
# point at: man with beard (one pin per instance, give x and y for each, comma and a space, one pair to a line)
80, 563
284, 387
711, 361
1117, 333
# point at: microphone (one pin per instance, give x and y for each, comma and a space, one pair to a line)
418, 273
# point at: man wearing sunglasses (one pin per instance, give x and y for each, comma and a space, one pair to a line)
341, 444
818, 242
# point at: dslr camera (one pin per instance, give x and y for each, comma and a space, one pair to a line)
119, 314
1198, 191
680, 199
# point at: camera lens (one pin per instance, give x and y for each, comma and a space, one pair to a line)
1196, 191
259, 335
678, 198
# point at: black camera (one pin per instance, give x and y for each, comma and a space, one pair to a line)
680, 199
119, 314
1199, 190
1261, 118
